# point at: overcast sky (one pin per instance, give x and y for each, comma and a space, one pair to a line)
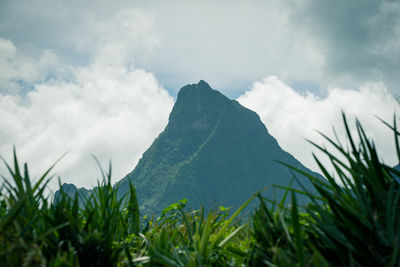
100, 77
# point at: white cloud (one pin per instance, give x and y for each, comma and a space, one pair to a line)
112, 113
227, 43
19, 70
125, 37
292, 117
230, 44
108, 108
359, 39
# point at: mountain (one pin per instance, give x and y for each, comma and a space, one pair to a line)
70, 190
213, 152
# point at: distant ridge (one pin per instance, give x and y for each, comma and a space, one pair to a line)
70, 190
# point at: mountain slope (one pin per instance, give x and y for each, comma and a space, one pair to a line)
212, 152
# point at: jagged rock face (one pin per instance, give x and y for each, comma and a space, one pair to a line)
212, 152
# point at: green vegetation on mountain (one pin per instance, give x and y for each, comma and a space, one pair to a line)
212, 152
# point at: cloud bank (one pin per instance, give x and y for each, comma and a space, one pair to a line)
359, 39
291, 117
108, 108
19, 72
307, 43
228, 43
112, 113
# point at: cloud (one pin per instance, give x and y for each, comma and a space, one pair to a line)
128, 36
292, 117
227, 43
18, 70
110, 113
108, 108
359, 39
308, 43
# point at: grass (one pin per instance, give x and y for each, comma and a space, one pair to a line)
353, 221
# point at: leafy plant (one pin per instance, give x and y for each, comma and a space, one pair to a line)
357, 223
196, 239
34, 232
25, 233
97, 230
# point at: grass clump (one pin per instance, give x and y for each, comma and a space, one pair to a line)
197, 239
34, 232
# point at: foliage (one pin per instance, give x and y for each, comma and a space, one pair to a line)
197, 239
34, 232
353, 220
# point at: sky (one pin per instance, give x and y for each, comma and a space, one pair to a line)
100, 78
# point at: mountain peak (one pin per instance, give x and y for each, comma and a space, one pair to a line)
199, 92
197, 104
197, 89
203, 84
213, 150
